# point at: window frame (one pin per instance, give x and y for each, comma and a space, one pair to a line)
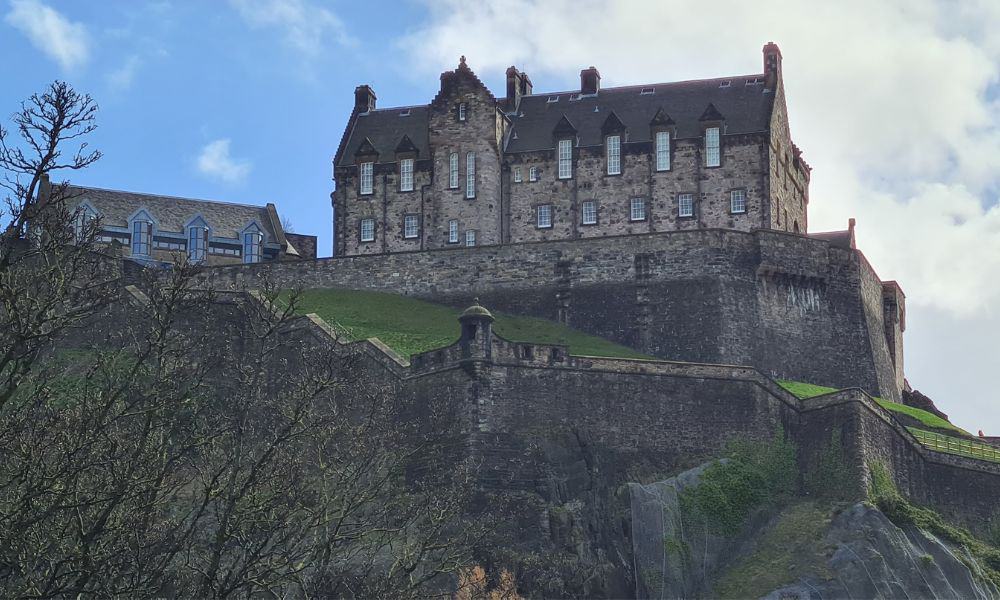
543, 209
583, 212
366, 175
517, 176
253, 251
717, 148
406, 174
145, 232
680, 199
193, 247
532, 173
632, 209
742, 194
613, 154
408, 220
463, 111
470, 238
470, 175
361, 230
564, 159
662, 150
453, 231
453, 171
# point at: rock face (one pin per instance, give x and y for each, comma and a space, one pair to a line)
873, 558
918, 400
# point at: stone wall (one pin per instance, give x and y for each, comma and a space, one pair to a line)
791, 306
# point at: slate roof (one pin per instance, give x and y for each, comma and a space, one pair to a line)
386, 128
227, 220
743, 108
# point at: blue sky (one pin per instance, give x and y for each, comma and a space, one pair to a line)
894, 104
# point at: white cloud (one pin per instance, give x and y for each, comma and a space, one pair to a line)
64, 41
215, 161
121, 78
895, 105
306, 26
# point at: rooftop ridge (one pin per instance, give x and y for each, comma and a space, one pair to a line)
167, 197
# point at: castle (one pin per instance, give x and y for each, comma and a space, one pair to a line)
472, 169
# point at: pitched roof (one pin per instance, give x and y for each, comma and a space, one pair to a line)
386, 128
114, 207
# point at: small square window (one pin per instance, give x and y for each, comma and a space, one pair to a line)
533, 174
685, 205
544, 216
638, 210
589, 212
411, 226
738, 201
367, 230
517, 174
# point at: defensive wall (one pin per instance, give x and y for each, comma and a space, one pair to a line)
791, 306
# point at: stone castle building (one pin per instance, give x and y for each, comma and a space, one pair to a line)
473, 169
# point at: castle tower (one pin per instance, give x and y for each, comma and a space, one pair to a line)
477, 333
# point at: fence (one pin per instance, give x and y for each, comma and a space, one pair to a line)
954, 445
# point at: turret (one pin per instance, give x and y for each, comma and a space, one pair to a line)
476, 341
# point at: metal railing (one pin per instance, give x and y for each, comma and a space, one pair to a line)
957, 446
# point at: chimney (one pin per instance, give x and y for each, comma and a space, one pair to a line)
590, 81
364, 99
518, 85
772, 66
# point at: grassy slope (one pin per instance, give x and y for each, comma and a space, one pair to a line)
808, 390
410, 326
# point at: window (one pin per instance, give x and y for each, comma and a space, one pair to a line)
614, 152
453, 231
533, 174
712, 147
738, 201
589, 212
142, 237
470, 175
253, 242
638, 212
411, 226
565, 159
367, 170
453, 170
461, 111
662, 150
367, 230
685, 205
517, 174
470, 237
544, 216
406, 175
197, 246
82, 222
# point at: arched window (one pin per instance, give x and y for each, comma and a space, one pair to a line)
197, 240
253, 245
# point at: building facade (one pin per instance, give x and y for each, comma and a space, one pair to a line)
472, 169
166, 229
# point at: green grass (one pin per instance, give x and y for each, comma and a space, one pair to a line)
807, 390
410, 326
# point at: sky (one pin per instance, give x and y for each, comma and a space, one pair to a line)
895, 104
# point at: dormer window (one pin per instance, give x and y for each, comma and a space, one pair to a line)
253, 245
647, 91
712, 154
462, 111
142, 234
613, 150
406, 175
197, 241
662, 150
565, 159
367, 177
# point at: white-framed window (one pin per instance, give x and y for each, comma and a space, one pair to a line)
142, 237
637, 210
738, 201
367, 177
544, 216
589, 212
565, 159
470, 175
685, 205
197, 245
411, 226
453, 231
253, 247
712, 156
453, 170
367, 230
406, 175
470, 237
462, 109
533, 174
614, 153
662, 150
517, 174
